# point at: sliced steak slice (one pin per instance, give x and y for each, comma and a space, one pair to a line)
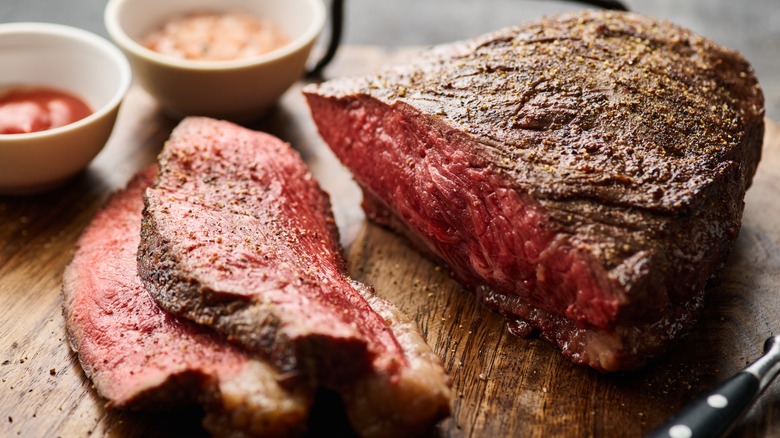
584, 173
398, 401
141, 357
239, 236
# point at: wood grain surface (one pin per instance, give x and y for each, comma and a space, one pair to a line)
502, 385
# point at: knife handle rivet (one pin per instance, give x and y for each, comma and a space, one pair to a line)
680, 431
717, 401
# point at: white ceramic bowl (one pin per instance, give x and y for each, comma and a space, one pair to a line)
72, 60
238, 90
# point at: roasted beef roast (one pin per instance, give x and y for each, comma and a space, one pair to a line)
237, 235
139, 356
583, 174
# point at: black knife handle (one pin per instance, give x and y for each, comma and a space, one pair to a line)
713, 414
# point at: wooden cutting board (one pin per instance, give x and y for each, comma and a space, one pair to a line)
502, 385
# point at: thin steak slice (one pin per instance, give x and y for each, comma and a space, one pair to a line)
584, 174
239, 236
141, 357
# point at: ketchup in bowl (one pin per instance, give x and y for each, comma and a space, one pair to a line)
32, 109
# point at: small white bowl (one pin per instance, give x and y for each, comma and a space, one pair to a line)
71, 60
238, 90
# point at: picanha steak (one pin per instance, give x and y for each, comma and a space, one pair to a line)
584, 174
237, 235
138, 356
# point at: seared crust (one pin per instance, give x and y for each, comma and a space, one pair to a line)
611, 107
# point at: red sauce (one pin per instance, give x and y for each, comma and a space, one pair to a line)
24, 110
